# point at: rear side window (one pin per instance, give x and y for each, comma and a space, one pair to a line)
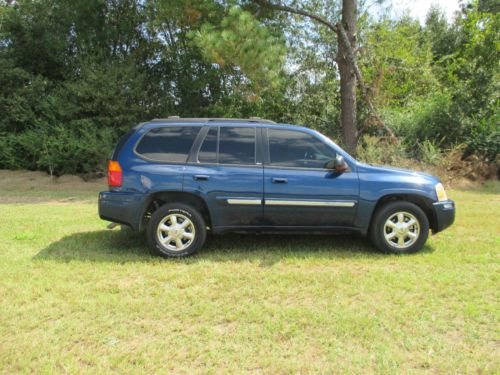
208, 150
168, 144
237, 145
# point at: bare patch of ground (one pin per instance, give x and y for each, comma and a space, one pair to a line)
35, 186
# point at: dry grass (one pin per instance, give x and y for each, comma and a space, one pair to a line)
28, 186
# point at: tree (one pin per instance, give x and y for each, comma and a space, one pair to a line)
346, 61
345, 35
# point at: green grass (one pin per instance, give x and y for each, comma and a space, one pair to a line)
76, 298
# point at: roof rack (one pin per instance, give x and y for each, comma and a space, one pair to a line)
209, 119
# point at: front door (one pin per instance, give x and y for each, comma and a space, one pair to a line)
298, 190
227, 175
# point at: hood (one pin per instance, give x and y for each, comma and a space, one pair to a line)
367, 168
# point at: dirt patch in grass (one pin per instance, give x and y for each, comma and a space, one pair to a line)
29, 180
35, 186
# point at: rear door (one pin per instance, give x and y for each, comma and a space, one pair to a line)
226, 172
298, 190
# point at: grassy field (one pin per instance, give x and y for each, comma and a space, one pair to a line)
77, 298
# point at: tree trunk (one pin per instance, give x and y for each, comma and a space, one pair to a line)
348, 77
349, 71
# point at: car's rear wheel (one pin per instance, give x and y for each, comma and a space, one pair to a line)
399, 227
176, 230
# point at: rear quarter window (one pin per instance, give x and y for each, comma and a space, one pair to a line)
168, 144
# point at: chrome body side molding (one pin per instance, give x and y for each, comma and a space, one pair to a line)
245, 201
309, 203
289, 202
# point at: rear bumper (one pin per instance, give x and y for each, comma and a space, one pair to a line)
121, 207
444, 213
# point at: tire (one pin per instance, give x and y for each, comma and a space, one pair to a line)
192, 234
386, 236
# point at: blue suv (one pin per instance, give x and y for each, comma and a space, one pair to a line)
181, 178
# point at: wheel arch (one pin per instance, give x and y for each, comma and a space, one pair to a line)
422, 202
159, 198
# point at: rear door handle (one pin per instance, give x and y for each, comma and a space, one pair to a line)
279, 180
201, 177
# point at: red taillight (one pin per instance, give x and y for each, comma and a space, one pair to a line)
114, 173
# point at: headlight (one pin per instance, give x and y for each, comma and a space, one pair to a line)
441, 194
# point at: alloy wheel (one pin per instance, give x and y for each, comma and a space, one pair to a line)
176, 232
401, 230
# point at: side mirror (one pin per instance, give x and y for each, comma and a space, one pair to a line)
338, 164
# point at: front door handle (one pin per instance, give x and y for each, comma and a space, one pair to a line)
201, 177
279, 180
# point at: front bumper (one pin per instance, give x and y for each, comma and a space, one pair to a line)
122, 207
444, 213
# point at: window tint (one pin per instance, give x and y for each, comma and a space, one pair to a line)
237, 145
170, 143
208, 150
289, 148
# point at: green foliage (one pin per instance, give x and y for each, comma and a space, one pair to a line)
430, 152
57, 149
78, 70
484, 138
442, 36
437, 86
375, 150
473, 69
76, 74
431, 118
397, 62
243, 42
20, 96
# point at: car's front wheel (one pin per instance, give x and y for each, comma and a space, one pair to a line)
399, 227
176, 230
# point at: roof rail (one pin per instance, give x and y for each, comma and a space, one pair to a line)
209, 119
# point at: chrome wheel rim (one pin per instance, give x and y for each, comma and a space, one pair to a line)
401, 230
176, 232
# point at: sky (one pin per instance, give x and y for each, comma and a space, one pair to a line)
418, 8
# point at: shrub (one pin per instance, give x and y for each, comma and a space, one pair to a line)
484, 138
375, 150
430, 152
433, 118
57, 149
82, 150
19, 151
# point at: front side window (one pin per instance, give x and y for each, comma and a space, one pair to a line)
290, 148
237, 145
168, 144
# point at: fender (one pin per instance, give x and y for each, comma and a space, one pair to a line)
378, 183
368, 203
